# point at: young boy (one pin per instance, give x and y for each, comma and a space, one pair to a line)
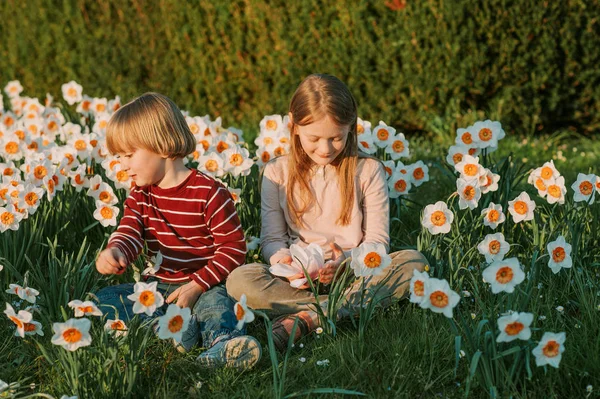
189, 217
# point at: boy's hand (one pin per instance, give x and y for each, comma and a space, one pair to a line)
111, 261
327, 273
186, 295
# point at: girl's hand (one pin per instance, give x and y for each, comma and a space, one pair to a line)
187, 295
111, 261
328, 272
288, 261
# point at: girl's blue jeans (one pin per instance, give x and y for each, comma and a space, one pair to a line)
212, 315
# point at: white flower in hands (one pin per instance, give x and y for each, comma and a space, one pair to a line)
493, 215
437, 218
521, 208
146, 298
584, 188
174, 323
514, 326
310, 258
504, 275
242, 313
86, 308
116, 327
72, 334
417, 286
550, 349
493, 247
560, 254
153, 264
369, 259
20, 319
439, 297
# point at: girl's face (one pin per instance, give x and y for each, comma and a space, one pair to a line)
323, 140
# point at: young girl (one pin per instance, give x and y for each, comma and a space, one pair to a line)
324, 192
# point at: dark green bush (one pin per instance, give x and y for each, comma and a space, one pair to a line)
421, 67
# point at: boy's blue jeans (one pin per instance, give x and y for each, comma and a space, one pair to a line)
212, 315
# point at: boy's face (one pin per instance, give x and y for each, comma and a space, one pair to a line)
144, 167
323, 140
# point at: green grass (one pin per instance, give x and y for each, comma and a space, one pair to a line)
407, 352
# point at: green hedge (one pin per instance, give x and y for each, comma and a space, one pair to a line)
429, 65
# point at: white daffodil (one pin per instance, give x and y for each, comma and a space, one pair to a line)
584, 188
311, 258
14, 289
514, 326
456, 153
489, 181
556, 190
146, 298
464, 137
211, 164
174, 323
13, 88
237, 161
468, 192
106, 214
560, 254
493, 215
419, 173
493, 247
85, 308
399, 184
521, 208
153, 265
383, 135
235, 194
366, 143
19, 319
486, 134
417, 286
398, 147
9, 219
117, 327
598, 184
72, 92
504, 275
548, 171
72, 334
550, 348
28, 294
469, 168
369, 259
439, 297
271, 123
437, 218
363, 127
102, 192
242, 313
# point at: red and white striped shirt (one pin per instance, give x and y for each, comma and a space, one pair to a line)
194, 225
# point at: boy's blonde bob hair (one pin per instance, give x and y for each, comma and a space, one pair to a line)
152, 122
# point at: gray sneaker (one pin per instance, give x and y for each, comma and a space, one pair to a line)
241, 353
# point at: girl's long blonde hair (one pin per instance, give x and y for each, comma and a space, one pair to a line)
318, 96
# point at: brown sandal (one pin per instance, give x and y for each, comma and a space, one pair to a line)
282, 330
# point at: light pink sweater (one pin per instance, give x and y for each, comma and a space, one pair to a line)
370, 212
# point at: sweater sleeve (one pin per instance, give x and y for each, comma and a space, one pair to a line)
376, 206
129, 236
229, 242
274, 228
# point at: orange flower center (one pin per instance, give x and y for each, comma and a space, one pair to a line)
72, 92
268, 141
205, 145
3, 192
418, 173
117, 325
8, 172
419, 288
70, 157
175, 324
211, 165
28, 327
558, 254
586, 188
372, 260
51, 186
105, 197
279, 151
469, 192
546, 172
457, 158
514, 328
485, 134
100, 107
470, 169
72, 335
236, 159
504, 275
122, 176
11, 147
112, 164
222, 146
493, 215
33, 146
86, 309
439, 299
551, 349
383, 134
466, 138
398, 146
40, 172
239, 312
271, 125
78, 179
494, 247
18, 322
7, 218
147, 298
554, 191
265, 157
194, 129
360, 129
539, 184
106, 212
388, 170
20, 134
80, 145
521, 207
8, 121
438, 218
31, 198
400, 186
